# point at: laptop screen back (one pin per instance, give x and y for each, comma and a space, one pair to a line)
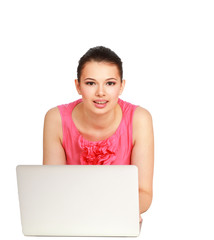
79, 200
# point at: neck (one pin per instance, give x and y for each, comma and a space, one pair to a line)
100, 122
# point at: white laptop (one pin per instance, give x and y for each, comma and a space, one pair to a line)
79, 200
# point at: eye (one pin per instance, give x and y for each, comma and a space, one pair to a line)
90, 83
111, 83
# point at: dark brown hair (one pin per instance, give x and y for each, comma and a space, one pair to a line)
99, 54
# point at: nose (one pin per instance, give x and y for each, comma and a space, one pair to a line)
100, 91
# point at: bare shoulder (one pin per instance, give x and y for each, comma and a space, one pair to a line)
142, 123
53, 152
53, 114
52, 121
141, 116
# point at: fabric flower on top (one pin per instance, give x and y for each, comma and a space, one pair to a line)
98, 153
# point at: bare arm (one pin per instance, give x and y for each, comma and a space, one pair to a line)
53, 152
143, 155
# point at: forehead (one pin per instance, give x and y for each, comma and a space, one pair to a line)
95, 69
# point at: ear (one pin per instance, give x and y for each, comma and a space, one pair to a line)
77, 86
122, 86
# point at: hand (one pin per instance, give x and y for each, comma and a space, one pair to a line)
140, 218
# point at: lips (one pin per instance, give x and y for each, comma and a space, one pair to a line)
100, 103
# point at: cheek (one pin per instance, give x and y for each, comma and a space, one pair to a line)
86, 92
114, 91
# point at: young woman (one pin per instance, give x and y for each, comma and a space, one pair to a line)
100, 128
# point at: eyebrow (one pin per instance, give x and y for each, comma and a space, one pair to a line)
95, 79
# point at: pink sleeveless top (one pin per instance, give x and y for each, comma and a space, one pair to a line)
115, 150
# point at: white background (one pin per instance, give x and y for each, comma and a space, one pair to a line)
168, 52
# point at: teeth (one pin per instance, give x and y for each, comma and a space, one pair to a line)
101, 102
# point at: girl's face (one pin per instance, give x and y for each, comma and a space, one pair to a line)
100, 86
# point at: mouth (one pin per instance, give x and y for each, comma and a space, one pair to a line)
100, 102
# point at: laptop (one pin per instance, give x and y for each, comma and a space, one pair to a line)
78, 200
